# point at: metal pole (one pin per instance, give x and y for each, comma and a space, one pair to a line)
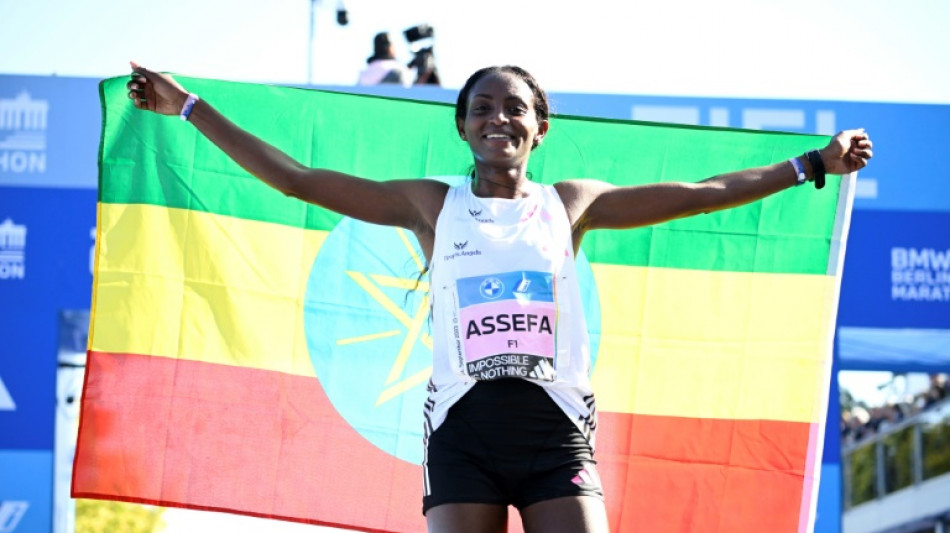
917, 459
879, 470
313, 4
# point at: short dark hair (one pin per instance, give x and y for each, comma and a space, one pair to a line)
381, 47
540, 98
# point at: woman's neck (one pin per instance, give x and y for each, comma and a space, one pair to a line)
499, 185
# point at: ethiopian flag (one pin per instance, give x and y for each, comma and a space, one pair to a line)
254, 354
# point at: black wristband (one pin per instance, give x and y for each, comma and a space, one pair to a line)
817, 167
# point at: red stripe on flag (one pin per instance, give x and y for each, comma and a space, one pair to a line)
200, 435
669, 474
189, 434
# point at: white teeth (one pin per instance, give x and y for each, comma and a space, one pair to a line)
496, 136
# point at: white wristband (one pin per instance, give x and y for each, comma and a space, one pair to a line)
189, 104
799, 171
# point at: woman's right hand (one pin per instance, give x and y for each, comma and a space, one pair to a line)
155, 91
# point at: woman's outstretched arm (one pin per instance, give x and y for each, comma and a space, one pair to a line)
594, 204
412, 204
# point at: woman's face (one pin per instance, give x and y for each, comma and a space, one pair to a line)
500, 124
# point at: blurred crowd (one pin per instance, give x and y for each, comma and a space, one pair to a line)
383, 68
860, 422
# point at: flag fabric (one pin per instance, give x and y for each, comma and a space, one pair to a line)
254, 354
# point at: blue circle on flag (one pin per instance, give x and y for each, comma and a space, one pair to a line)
369, 336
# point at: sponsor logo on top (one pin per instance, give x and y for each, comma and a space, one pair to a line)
461, 250
11, 512
477, 215
23, 134
12, 250
920, 274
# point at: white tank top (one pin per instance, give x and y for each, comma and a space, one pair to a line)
506, 302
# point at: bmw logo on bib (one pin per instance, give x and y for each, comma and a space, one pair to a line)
492, 288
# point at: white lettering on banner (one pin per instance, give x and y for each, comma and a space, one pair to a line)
753, 118
825, 122
11, 512
666, 113
773, 119
6, 400
920, 274
719, 117
23, 149
12, 250
19, 162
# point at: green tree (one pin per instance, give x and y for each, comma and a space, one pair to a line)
100, 516
845, 400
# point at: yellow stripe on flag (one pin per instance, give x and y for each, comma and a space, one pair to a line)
732, 338
235, 298
706, 344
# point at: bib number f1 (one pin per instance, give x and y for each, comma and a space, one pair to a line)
505, 326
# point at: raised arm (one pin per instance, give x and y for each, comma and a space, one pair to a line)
594, 204
412, 204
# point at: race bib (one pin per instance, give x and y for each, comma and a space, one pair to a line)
505, 326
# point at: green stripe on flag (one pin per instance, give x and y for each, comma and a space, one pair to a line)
157, 160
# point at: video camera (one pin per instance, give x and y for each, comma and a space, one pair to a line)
418, 33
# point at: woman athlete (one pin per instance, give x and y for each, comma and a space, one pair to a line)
500, 251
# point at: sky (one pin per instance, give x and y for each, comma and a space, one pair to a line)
872, 50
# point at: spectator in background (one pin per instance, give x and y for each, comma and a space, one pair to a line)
858, 423
426, 71
854, 424
382, 66
938, 391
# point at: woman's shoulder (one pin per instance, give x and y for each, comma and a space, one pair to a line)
574, 190
442, 186
577, 195
434, 191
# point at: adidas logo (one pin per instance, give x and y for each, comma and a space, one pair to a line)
587, 477
542, 371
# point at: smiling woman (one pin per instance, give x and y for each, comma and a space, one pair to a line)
501, 111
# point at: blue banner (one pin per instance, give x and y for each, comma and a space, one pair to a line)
49, 131
897, 271
46, 243
26, 501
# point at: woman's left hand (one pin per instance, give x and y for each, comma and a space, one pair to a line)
847, 152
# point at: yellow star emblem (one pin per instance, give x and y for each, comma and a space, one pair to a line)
374, 284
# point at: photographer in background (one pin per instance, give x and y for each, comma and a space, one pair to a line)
423, 62
382, 66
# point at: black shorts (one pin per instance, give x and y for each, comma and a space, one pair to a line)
506, 442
